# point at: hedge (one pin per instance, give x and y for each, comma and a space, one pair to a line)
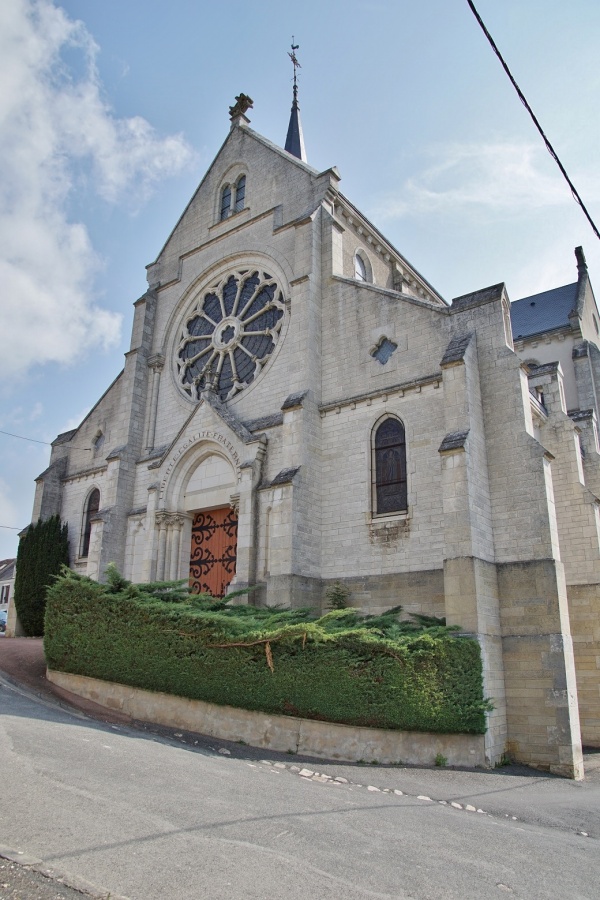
42, 552
341, 667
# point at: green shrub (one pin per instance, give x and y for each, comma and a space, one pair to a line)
337, 596
341, 667
42, 551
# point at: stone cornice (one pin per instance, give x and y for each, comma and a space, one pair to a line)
84, 473
401, 389
389, 292
561, 332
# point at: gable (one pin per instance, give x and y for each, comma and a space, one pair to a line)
277, 184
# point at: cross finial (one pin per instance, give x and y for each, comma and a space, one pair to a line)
294, 142
242, 105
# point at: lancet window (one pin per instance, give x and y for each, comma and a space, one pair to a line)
91, 508
225, 202
389, 468
240, 193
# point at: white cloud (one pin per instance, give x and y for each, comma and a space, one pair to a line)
506, 177
54, 123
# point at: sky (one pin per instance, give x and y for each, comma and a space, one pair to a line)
111, 112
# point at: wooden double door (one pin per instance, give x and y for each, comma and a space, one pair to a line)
214, 551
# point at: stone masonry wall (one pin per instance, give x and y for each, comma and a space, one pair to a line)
584, 611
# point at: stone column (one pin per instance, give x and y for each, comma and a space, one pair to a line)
149, 549
155, 363
93, 560
176, 526
161, 522
168, 548
244, 501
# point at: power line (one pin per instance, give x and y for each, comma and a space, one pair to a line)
35, 441
523, 100
11, 527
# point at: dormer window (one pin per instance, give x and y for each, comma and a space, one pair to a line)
240, 194
360, 269
225, 202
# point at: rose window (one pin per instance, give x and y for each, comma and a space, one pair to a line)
232, 331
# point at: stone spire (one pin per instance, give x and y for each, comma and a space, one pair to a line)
294, 142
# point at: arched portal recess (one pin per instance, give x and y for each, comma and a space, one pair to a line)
213, 549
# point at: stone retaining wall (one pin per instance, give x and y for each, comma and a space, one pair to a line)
272, 732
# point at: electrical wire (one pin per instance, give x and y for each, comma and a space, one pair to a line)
35, 441
10, 527
523, 100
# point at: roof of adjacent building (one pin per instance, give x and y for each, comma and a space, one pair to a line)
7, 568
543, 312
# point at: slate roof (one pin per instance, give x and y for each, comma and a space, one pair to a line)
543, 312
7, 569
294, 142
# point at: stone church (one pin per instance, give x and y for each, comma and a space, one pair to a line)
300, 406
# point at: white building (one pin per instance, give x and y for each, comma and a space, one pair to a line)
7, 584
299, 406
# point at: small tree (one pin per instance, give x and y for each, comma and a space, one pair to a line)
42, 551
337, 596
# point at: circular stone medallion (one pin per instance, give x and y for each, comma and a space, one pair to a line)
227, 333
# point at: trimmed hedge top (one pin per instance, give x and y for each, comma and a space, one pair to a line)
342, 667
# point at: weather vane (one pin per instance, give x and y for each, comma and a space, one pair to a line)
295, 62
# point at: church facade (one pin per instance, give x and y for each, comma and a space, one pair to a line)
299, 406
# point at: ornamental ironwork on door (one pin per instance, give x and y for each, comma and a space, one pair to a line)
214, 551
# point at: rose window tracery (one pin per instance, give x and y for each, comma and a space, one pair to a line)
231, 332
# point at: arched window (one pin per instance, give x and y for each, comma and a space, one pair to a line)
225, 202
360, 270
240, 194
92, 507
389, 468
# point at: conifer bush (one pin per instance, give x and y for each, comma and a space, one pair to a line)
41, 554
380, 671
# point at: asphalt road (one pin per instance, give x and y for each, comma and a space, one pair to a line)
155, 815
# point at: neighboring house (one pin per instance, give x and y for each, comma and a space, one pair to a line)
7, 586
300, 406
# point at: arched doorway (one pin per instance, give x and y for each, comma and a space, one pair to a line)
213, 550
213, 553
